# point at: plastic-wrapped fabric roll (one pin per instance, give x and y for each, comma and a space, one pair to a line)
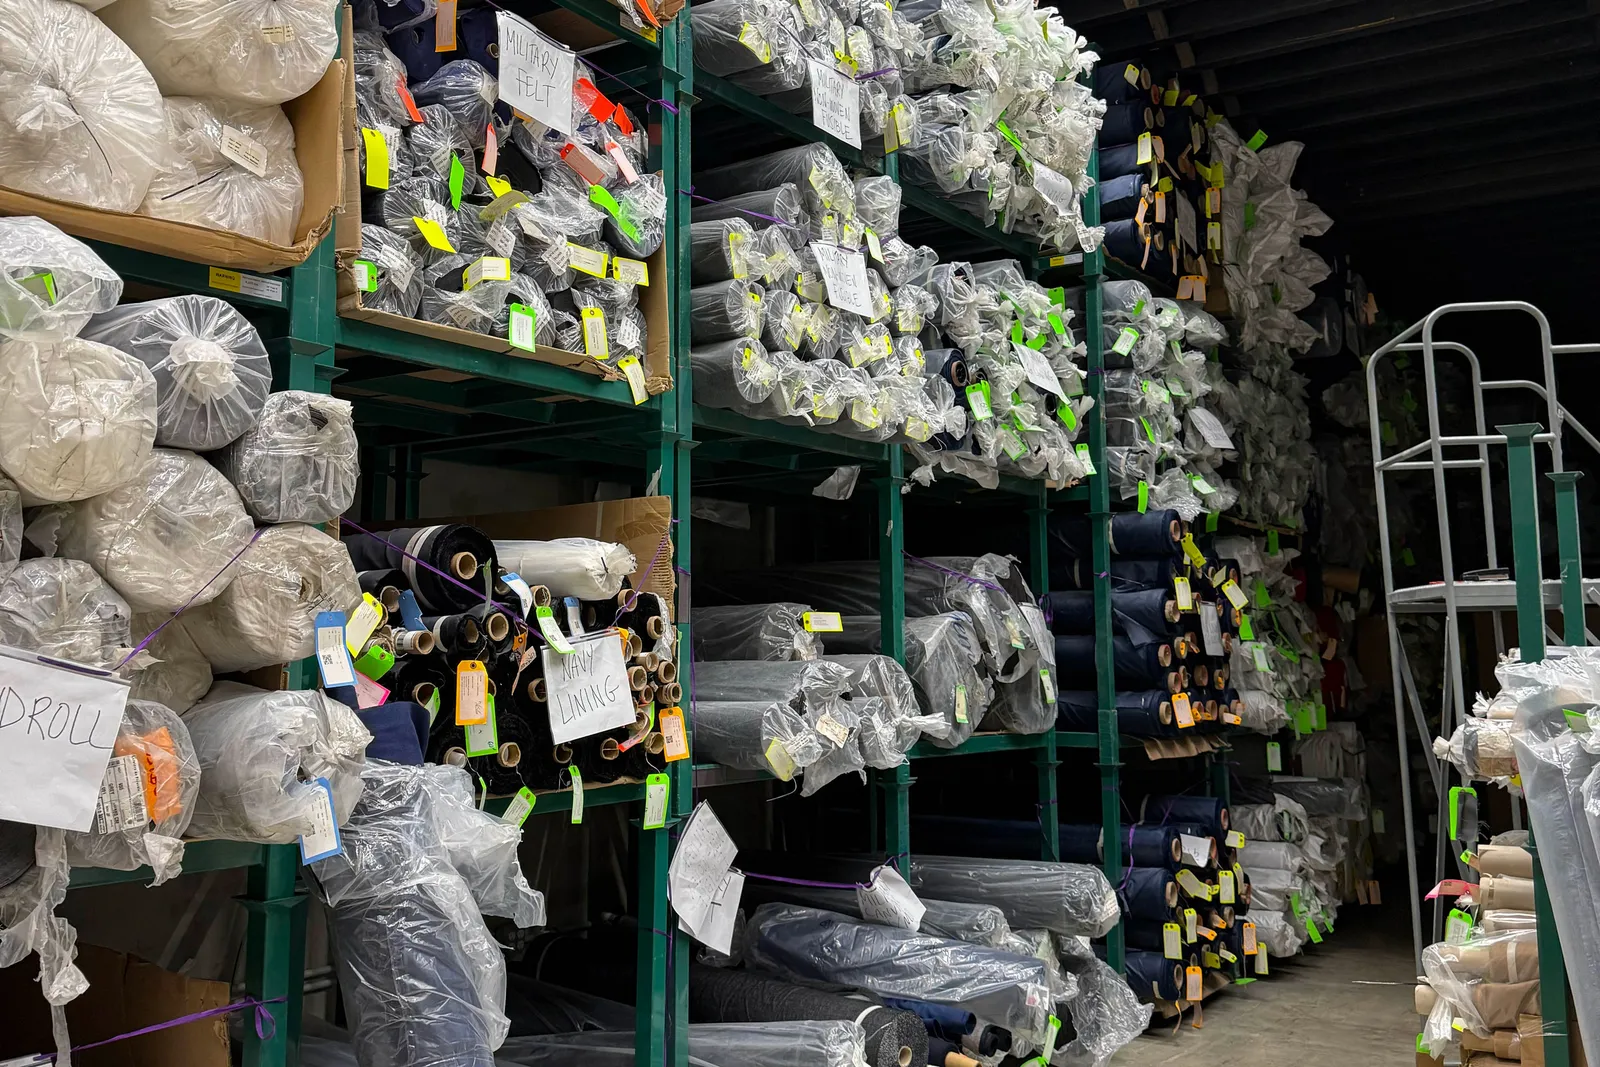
260, 753
181, 674
1153, 535
755, 735
757, 631
783, 320
268, 613
298, 463
380, 75
886, 679
942, 657
62, 608
733, 374
423, 980
252, 51
160, 538
738, 35
760, 208
1141, 666
84, 121
826, 1043
1210, 812
77, 418
1065, 898
639, 225
207, 186
431, 143
1141, 713
1139, 614
976, 924
802, 684
455, 549
718, 249
157, 742
1148, 893
81, 284
1106, 1014
407, 199
1153, 975
399, 270
878, 204
813, 169
821, 946
725, 311
570, 566
467, 90
211, 369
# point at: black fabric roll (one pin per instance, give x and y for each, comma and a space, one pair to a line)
1137, 666
956, 835
1138, 712
1123, 123
375, 582
412, 672
1146, 536
1139, 614
1146, 934
1111, 83
1209, 812
1143, 846
1147, 893
1153, 976
717, 995
1126, 574
458, 637
438, 546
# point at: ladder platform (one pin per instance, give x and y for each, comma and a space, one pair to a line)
1498, 595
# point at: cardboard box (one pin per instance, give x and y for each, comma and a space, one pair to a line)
317, 121
641, 523
124, 994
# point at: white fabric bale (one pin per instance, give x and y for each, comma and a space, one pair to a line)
80, 117
179, 675
299, 463
50, 284
162, 537
212, 371
268, 614
251, 51
211, 182
77, 418
62, 608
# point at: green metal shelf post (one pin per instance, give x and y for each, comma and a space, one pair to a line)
275, 955
1045, 759
894, 785
1571, 554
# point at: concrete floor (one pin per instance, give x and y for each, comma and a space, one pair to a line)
1310, 1010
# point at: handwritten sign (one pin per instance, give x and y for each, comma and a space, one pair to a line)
844, 272
1054, 187
1038, 370
57, 728
835, 102
588, 690
535, 73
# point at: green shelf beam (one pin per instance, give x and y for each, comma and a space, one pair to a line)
132, 264
934, 206
980, 743
198, 857
717, 90
798, 437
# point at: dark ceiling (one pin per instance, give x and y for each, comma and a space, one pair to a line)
1455, 143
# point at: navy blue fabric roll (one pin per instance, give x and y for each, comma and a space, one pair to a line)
1080, 843
399, 731
1112, 85
1137, 666
1145, 934
1078, 572
1147, 893
414, 47
1143, 846
1124, 123
1141, 614
1209, 812
942, 1020
1120, 197
1138, 713
1121, 160
1157, 534
1153, 976
958, 835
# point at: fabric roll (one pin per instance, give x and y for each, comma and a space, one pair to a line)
1156, 534
755, 631
570, 566
61, 608
759, 209
1123, 123
1065, 898
1142, 615
1148, 893
268, 613
299, 462
1146, 713
755, 735
211, 369
734, 374
1078, 573
1153, 975
181, 674
1504, 892
1120, 198
1142, 846
82, 283
457, 550
1141, 666
1512, 860
1209, 812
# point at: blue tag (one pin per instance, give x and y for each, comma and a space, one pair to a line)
333, 658
410, 614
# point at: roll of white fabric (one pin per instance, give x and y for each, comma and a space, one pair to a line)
50, 284
162, 537
233, 169
299, 462
250, 51
570, 566
180, 675
77, 418
62, 608
80, 117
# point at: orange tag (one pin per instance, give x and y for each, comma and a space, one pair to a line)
1181, 711
472, 693
1193, 984
444, 27
158, 761
1161, 207
592, 100
1138, 215
405, 98
673, 735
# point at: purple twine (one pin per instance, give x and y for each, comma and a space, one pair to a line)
954, 574
515, 613
868, 884
660, 548
266, 1025
753, 214
880, 72
187, 604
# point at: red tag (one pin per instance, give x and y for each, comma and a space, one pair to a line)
405, 98
624, 123
1450, 887
491, 150
592, 99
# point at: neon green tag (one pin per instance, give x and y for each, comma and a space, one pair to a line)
458, 180
1247, 632
1211, 521
1272, 542
1256, 140
1065, 414
1144, 496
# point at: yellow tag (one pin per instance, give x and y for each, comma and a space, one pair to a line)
750, 37
1261, 959
1147, 148
1211, 959
1225, 890
587, 260
486, 269
1180, 589
1130, 74
1181, 710
1235, 595
629, 366
1191, 923
1192, 551
362, 622
822, 622
433, 233
780, 761
472, 693
632, 271
594, 333
498, 186
673, 735
226, 280
377, 157
874, 246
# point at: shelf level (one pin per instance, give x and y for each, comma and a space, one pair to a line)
198, 857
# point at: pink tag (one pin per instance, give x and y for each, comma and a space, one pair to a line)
491, 150
369, 694
1450, 887
622, 161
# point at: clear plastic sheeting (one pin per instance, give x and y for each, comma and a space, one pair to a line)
757, 735
261, 754
821, 946
1106, 1015
207, 186
82, 120
1482, 985
805, 685
166, 538
734, 374
579, 567
268, 612
299, 462
76, 418
806, 1043
1285, 819
173, 671
28, 924
211, 369
398, 286
884, 678
813, 169
32, 252
250, 51
423, 980
1064, 898
481, 847
156, 741
1481, 748
61, 608
774, 631
724, 311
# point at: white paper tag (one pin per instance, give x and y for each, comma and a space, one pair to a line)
1275, 765
1210, 630
1196, 850
1184, 595
1211, 429
632, 271
1182, 712
1038, 370
631, 370
501, 237
1125, 341
589, 260
486, 269
362, 622
520, 587
889, 901
1235, 595
844, 272
1225, 888
121, 805
244, 150
704, 854
835, 102
832, 729
323, 840
1054, 187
